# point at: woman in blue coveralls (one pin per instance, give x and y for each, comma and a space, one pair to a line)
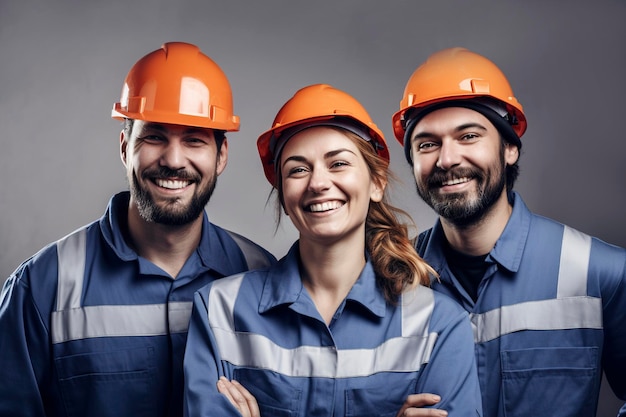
342, 325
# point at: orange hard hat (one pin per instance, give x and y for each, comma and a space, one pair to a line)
178, 84
317, 105
457, 74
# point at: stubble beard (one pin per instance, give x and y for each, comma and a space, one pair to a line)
172, 213
465, 208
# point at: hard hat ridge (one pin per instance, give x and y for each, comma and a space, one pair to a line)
178, 84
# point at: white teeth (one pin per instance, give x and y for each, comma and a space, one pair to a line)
172, 184
456, 181
330, 205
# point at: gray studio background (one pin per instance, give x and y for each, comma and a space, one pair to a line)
62, 64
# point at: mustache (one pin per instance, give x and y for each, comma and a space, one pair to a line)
165, 172
439, 176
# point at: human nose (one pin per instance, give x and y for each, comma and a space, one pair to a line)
173, 156
449, 156
319, 180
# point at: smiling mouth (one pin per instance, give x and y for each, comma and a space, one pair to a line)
326, 206
455, 181
172, 184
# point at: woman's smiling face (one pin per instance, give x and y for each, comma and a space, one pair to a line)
326, 184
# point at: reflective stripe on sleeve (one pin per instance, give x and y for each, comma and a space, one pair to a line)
400, 354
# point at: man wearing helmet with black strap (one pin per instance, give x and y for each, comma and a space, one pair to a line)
95, 324
547, 302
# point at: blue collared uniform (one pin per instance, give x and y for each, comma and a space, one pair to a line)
549, 317
262, 329
88, 328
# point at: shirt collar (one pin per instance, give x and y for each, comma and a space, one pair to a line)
213, 250
284, 286
510, 245
114, 225
508, 249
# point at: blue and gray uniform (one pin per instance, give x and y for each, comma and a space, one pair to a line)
263, 329
549, 317
89, 328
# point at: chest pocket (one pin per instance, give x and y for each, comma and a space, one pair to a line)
558, 380
376, 402
112, 383
96, 382
275, 394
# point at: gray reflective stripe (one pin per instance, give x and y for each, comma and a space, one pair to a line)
179, 314
222, 302
255, 258
120, 320
574, 264
417, 309
71, 252
571, 309
554, 314
400, 354
71, 321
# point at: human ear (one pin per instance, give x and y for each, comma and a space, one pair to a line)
511, 153
123, 147
378, 191
222, 157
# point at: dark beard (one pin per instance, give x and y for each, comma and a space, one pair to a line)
458, 208
170, 214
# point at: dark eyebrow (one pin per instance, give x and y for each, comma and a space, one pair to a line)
337, 152
162, 128
296, 158
459, 128
327, 155
470, 126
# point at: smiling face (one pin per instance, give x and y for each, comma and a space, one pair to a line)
171, 170
459, 163
326, 186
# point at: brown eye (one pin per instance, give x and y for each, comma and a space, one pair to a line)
426, 146
338, 164
296, 171
469, 136
152, 138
